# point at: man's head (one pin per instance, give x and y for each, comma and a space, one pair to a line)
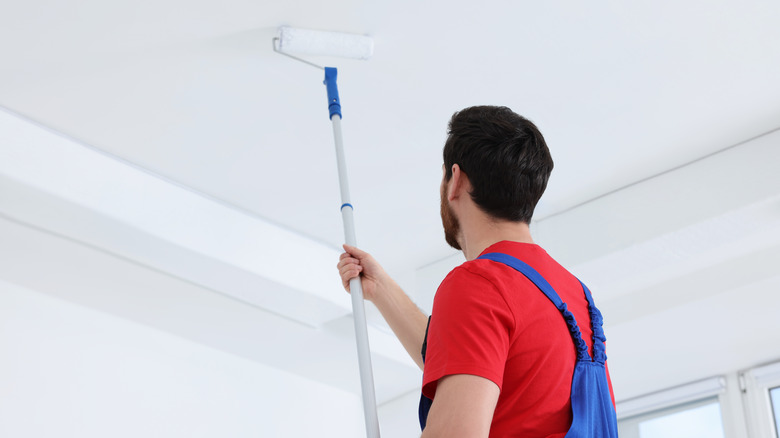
505, 159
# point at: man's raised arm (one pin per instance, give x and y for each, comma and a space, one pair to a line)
406, 320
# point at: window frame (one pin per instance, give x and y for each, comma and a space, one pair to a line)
676, 396
669, 401
755, 384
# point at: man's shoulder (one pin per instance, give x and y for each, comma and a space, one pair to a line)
478, 276
530, 254
504, 278
469, 271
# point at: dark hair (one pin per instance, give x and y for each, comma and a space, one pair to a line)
505, 158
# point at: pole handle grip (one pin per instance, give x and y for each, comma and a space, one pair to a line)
334, 104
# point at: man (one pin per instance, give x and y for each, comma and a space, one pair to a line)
498, 357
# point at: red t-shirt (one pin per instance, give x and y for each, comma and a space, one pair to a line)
489, 320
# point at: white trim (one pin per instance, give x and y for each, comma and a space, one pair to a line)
768, 375
732, 409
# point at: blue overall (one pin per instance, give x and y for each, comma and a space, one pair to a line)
593, 414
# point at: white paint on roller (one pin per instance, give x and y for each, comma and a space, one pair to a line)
315, 42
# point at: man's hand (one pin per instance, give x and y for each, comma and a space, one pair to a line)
402, 315
355, 262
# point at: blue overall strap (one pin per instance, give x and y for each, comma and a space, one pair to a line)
425, 403
544, 286
593, 414
596, 326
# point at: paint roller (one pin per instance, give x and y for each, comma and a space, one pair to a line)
308, 42
316, 42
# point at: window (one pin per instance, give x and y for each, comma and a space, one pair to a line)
734, 405
701, 419
691, 411
774, 395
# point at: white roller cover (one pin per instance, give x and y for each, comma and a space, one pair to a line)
315, 42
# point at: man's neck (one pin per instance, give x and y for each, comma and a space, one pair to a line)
481, 234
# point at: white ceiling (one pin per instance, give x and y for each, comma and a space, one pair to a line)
167, 142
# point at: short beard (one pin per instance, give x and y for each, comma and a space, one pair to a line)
450, 223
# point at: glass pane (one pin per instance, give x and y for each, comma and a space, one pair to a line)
699, 422
774, 394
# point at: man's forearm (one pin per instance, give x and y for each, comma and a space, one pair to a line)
406, 320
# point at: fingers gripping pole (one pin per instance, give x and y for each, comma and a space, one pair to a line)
355, 285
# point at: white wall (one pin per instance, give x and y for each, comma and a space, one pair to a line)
398, 418
71, 371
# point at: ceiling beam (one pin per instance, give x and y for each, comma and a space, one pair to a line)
55, 183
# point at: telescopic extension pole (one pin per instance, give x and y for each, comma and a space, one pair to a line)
355, 285
357, 47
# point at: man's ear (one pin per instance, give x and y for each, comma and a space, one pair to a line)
458, 182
